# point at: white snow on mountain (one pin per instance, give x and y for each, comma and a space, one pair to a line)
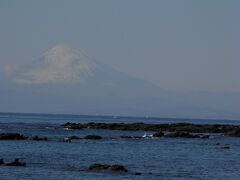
59, 64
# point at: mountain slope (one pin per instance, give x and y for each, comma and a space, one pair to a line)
63, 71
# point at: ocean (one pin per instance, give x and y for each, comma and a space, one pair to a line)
159, 158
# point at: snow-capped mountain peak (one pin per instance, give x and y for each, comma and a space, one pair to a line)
59, 64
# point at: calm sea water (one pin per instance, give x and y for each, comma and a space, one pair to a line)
164, 158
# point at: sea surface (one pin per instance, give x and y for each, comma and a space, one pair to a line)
163, 158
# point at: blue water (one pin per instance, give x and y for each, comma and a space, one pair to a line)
164, 158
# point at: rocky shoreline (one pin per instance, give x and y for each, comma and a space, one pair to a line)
176, 130
228, 130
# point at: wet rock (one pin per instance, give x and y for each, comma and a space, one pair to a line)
234, 133
37, 138
182, 135
98, 167
12, 136
147, 136
93, 137
1, 162
16, 162
158, 134
112, 168
137, 173
175, 127
65, 139
117, 167
225, 147
69, 125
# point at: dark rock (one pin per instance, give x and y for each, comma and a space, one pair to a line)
98, 167
126, 137
69, 125
117, 167
175, 127
12, 136
36, 138
112, 168
138, 173
158, 134
225, 147
234, 133
1, 162
16, 163
93, 137
182, 135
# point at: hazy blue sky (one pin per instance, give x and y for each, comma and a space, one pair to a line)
178, 45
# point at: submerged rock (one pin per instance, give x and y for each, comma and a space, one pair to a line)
131, 137
225, 147
112, 168
93, 137
12, 136
15, 163
137, 173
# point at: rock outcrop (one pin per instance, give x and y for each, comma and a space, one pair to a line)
158, 134
234, 133
12, 136
175, 127
16, 162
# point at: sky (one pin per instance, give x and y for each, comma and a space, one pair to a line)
178, 45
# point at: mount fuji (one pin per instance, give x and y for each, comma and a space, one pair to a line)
64, 80
64, 71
